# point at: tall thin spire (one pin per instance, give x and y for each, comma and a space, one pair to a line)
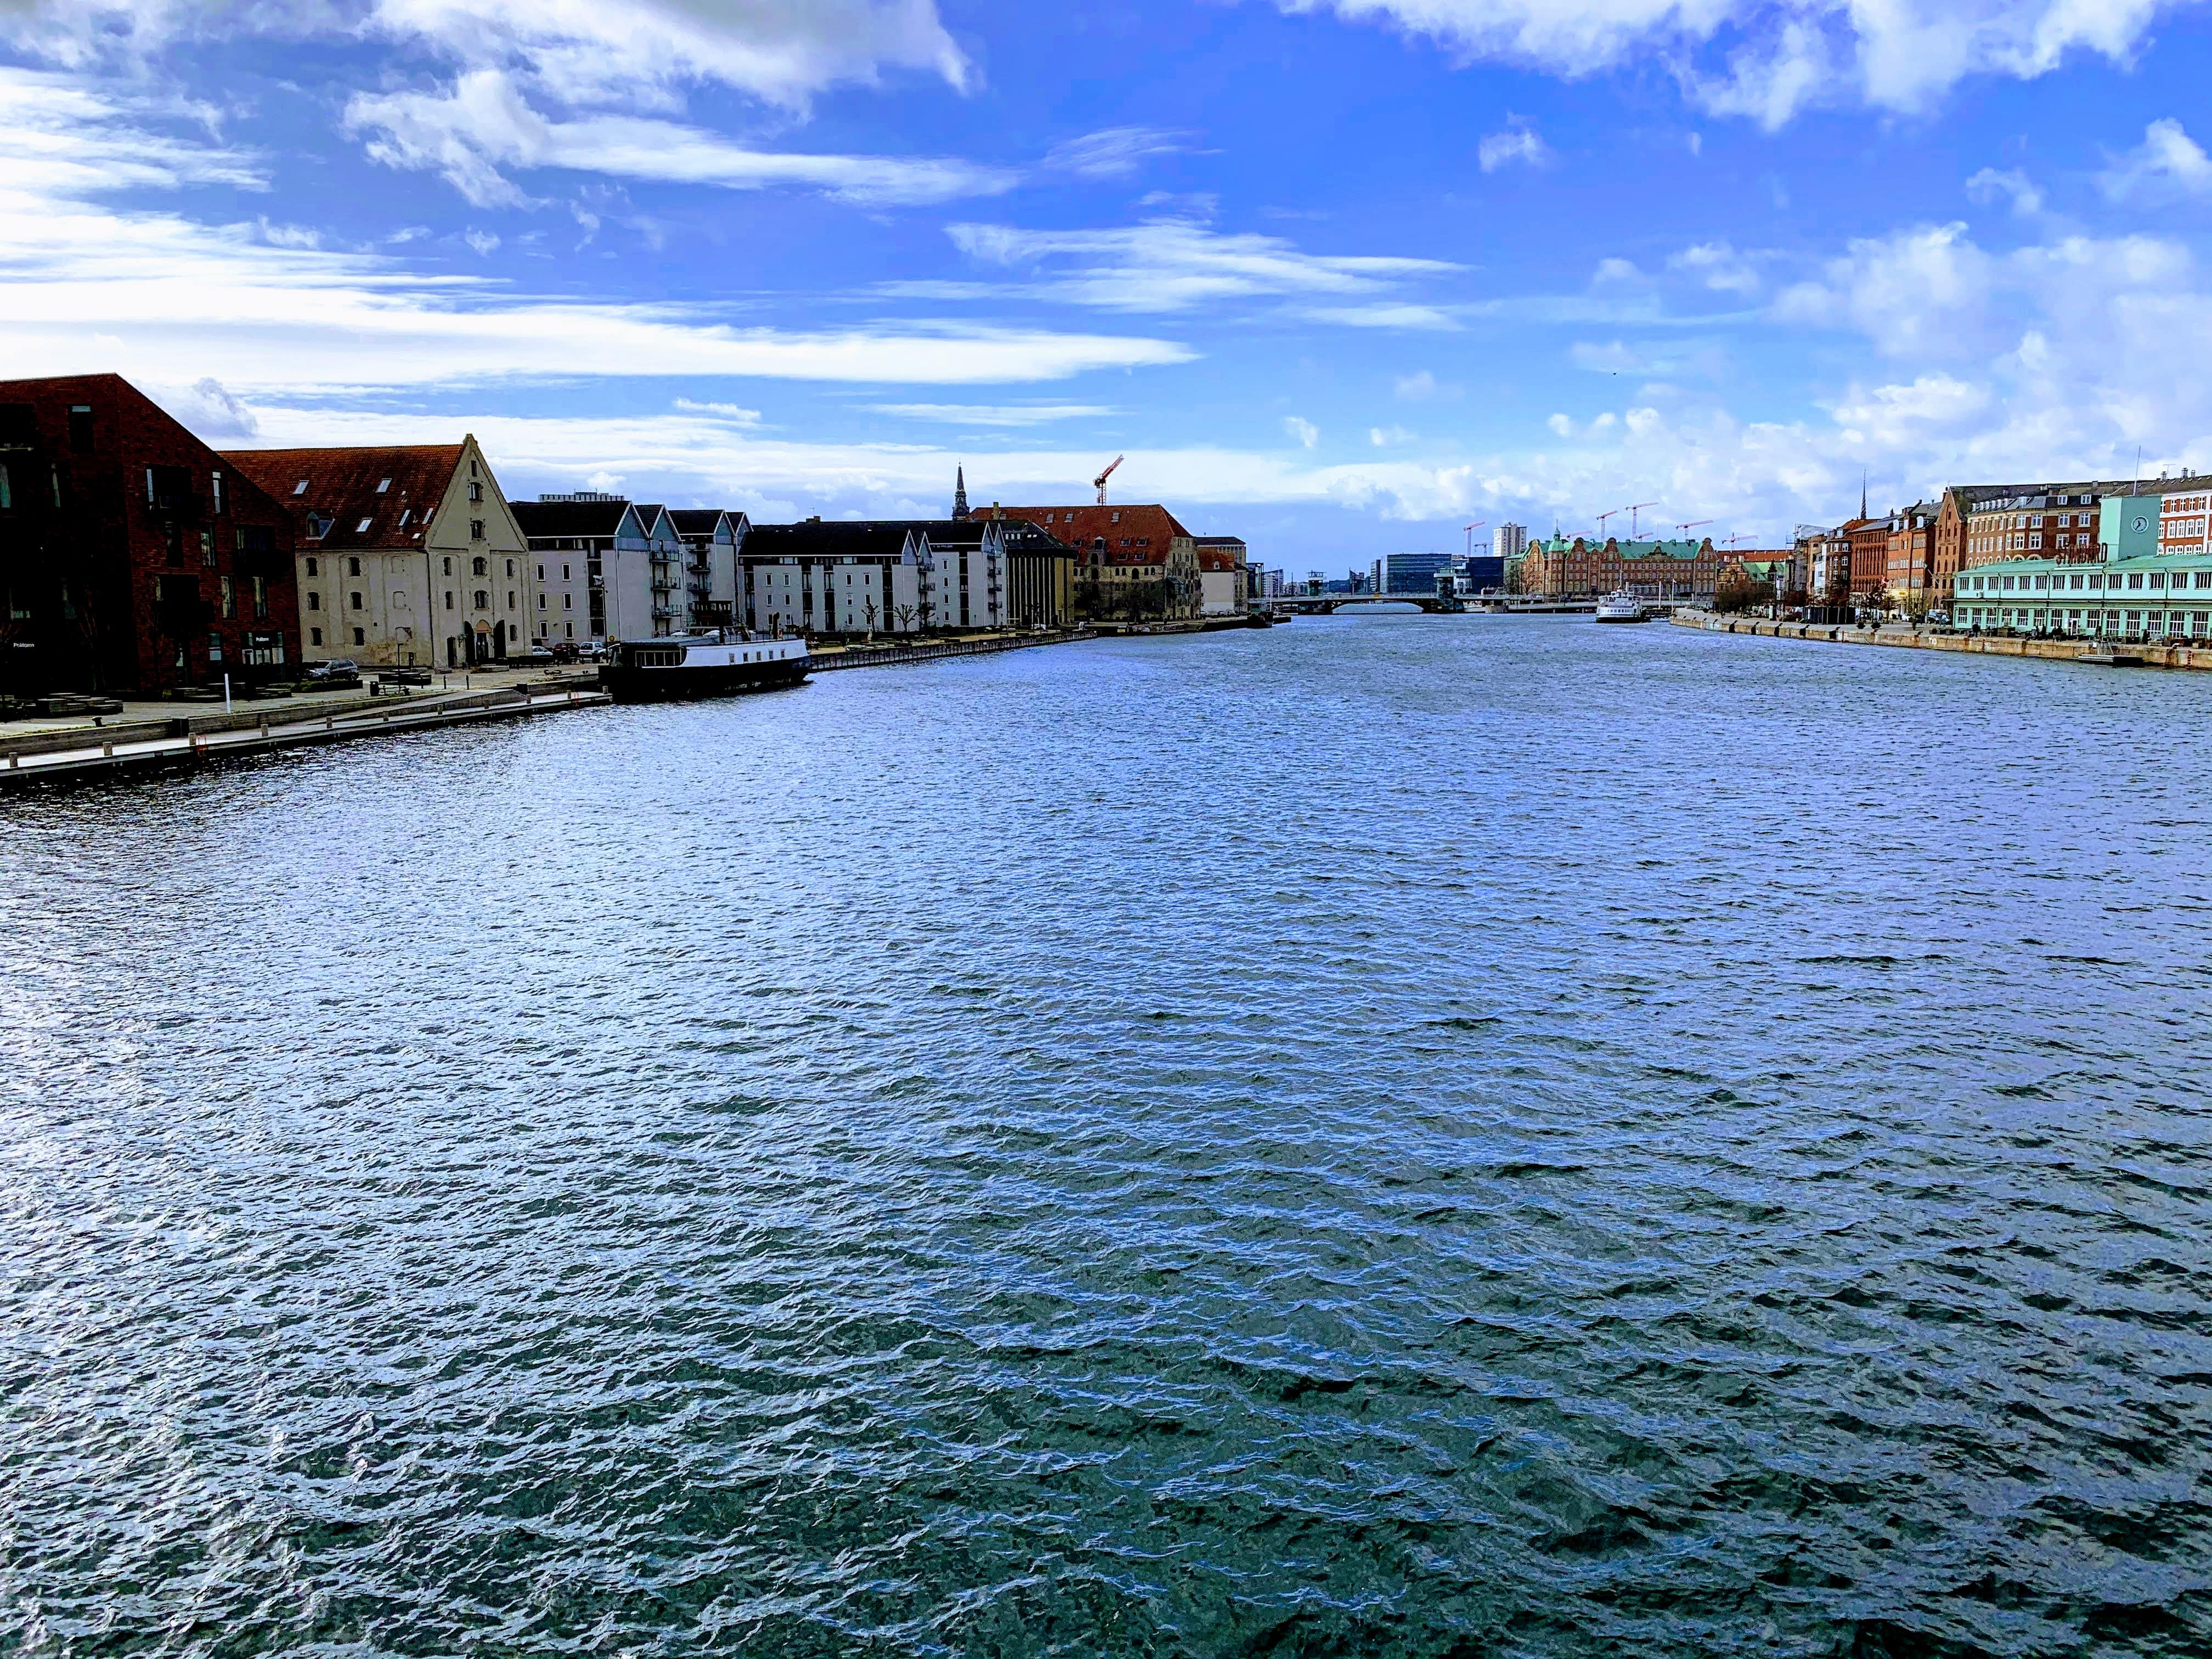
1862, 499
959, 492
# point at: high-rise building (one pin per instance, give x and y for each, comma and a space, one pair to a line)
1508, 541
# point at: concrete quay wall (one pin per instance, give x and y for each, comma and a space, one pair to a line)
1985, 645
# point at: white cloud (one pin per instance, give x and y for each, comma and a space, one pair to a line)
994, 415
1169, 265
735, 414
166, 300
1516, 143
2013, 186
1719, 266
1561, 424
1115, 152
1421, 386
484, 125
2169, 163
579, 51
1918, 290
1305, 431
1767, 59
485, 242
1382, 437
209, 408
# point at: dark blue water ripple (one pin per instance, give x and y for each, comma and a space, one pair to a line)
1400, 1136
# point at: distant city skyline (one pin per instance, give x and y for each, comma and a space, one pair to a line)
1340, 277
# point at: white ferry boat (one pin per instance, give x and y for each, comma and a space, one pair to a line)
1621, 606
701, 665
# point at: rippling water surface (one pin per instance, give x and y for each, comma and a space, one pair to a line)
1396, 1135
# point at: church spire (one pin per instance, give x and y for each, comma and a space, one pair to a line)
959, 492
1862, 499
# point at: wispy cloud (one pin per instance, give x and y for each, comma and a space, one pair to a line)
1518, 142
992, 414
1305, 431
482, 128
1170, 265
159, 296
1115, 152
2011, 186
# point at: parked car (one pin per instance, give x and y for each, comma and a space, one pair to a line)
591, 651
339, 670
536, 656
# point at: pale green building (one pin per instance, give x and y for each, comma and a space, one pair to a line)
2145, 596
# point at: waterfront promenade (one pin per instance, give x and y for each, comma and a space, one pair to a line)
2135, 652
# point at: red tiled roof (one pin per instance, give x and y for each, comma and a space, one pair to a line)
1133, 535
1216, 558
343, 485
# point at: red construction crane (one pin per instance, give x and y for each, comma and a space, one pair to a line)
1692, 524
1633, 512
1471, 529
1602, 517
1101, 479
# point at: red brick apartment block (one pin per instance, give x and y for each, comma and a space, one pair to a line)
132, 556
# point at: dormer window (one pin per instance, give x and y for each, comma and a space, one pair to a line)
361, 529
300, 487
385, 485
318, 525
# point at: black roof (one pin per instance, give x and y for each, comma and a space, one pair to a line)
695, 520
568, 518
821, 538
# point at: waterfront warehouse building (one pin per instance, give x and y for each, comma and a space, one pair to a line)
1134, 563
132, 556
406, 556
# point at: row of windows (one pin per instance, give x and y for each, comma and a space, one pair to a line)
2081, 581
2197, 623
353, 600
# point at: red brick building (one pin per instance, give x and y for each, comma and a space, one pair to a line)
132, 556
1131, 561
1661, 568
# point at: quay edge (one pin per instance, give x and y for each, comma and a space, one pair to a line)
2095, 652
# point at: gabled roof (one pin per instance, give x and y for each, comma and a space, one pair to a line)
355, 488
568, 519
701, 522
645, 520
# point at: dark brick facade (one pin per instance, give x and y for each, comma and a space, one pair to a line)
132, 556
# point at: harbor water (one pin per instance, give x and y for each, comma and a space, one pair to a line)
1399, 1135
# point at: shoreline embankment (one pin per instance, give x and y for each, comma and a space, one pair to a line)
100, 746
2132, 652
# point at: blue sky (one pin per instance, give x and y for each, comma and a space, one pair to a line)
1340, 277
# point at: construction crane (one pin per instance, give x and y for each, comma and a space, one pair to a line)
1633, 512
1693, 524
1100, 481
1471, 529
1602, 517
